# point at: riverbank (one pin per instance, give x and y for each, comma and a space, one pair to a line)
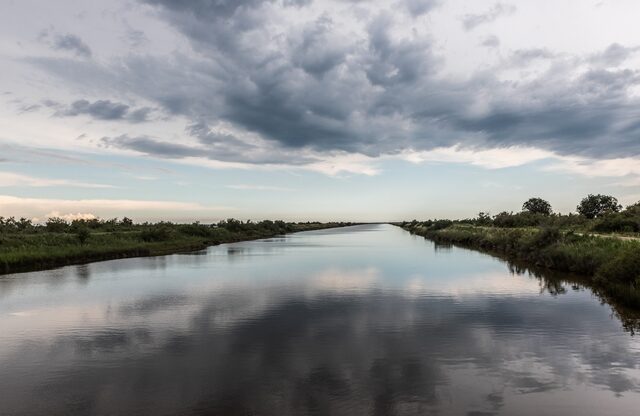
39, 249
611, 265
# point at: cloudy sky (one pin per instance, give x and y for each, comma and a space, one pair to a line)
315, 109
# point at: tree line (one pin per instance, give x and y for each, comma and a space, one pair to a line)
83, 229
599, 213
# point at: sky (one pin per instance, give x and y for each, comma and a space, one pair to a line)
323, 110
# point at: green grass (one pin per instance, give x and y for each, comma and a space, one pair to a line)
26, 251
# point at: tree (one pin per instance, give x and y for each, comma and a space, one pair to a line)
537, 206
83, 234
56, 225
597, 205
484, 218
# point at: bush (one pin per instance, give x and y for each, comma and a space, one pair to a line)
195, 229
483, 219
617, 223
521, 219
56, 225
82, 233
441, 224
623, 267
155, 233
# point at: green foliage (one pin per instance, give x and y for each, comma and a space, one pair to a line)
56, 225
156, 233
624, 267
483, 219
521, 219
594, 206
82, 233
612, 263
543, 238
195, 229
12, 225
537, 206
616, 223
25, 246
441, 224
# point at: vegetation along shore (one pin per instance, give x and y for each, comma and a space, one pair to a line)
601, 242
25, 246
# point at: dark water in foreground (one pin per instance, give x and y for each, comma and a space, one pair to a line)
360, 320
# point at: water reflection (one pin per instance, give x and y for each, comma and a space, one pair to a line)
361, 321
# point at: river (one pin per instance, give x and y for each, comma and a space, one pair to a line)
352, 321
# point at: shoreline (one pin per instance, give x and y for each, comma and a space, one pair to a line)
609, 266
88, 254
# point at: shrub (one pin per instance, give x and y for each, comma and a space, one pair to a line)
155, 233
617, 223
441, 225
195, 229
56, 225
483, 219
624, 267
82, 233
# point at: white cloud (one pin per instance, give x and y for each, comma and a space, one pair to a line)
496, 158
618, 167
43, 207
17, 179
248, 187
71, 216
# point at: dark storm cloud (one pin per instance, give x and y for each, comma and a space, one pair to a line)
139, 115
525, 56
101, 109
471, 21
491, 41
614, 55
317, 51
316, 87
420, 7
150, 146
136, 37
104, 110
67, 42
213, 146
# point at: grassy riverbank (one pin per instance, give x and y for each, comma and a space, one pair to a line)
27, 247
611, 264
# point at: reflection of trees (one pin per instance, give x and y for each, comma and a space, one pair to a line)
555, 284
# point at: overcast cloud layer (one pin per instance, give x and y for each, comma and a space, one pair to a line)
363, 77
329, 85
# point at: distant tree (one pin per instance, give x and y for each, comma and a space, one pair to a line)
24, 224
594, 206
633, 208
56, 225
126, 221
484, 218
82, 233
537, 206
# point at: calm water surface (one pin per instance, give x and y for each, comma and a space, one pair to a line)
359, 320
